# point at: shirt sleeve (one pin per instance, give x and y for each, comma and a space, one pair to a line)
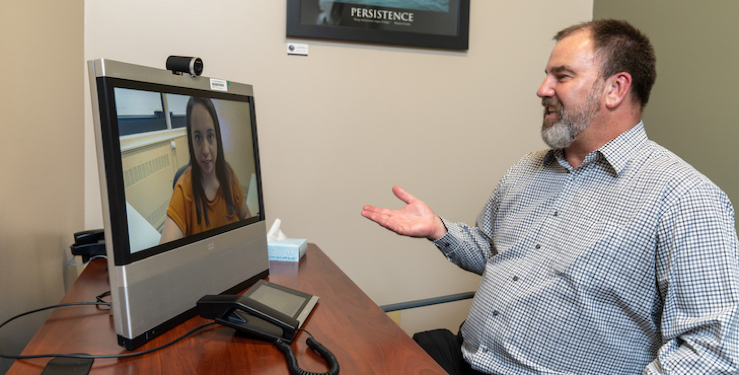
698, 280
469, 247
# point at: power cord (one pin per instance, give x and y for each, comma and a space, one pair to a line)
100, 296
69, 262
85, 356
284, 347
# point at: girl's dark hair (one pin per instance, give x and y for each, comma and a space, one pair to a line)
221, 171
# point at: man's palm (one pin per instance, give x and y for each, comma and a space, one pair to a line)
416, 219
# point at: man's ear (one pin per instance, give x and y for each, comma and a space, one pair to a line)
617, 88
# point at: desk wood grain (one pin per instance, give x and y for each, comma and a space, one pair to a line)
346, 321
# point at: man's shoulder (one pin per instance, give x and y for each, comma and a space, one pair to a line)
656, 165
528, 167
534, 162
535, 159
655, 160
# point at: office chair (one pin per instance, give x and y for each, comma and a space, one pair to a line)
179, 173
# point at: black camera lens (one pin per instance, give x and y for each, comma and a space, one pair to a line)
183, 64
197, 67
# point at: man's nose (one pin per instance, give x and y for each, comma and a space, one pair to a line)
545, 90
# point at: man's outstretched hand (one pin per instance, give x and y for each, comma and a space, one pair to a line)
416, 219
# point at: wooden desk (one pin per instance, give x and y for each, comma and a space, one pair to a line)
346, 321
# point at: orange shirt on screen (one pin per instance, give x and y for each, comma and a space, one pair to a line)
182, 205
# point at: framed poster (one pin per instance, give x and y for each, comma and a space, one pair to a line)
421, 23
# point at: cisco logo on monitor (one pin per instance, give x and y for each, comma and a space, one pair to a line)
211, 246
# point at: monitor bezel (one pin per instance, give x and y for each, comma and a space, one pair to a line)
158, 289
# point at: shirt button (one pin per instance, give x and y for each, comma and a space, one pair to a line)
446, 244
556, 213
515, 278
538, 246
495, 313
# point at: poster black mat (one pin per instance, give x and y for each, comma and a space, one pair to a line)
422, 23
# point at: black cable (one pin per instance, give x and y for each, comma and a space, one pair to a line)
52, 307
292, 361
83, 356
284, 347
99, 297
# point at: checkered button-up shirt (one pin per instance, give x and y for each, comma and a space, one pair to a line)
627, 264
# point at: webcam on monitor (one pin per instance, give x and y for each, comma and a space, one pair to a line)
185, 64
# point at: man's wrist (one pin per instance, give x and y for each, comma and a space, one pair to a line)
441, 230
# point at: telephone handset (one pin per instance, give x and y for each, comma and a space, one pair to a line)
246, 315
269, 311
88, 243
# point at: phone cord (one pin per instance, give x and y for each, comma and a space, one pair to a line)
292, 362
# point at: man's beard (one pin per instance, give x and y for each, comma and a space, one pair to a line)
561, 131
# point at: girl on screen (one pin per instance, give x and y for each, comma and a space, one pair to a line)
208, 194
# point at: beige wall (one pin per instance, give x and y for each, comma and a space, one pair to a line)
339, 128
692, 110
41, 146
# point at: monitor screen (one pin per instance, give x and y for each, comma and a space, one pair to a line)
153, 145
182, 196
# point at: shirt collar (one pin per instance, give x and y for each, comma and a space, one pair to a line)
617, 153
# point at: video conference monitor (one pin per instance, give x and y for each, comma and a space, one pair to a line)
181, 188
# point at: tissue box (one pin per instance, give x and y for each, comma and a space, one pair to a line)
288, 250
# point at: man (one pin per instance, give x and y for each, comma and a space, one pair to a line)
606, 254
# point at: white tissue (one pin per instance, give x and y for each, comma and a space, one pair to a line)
274, 233
282, 248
